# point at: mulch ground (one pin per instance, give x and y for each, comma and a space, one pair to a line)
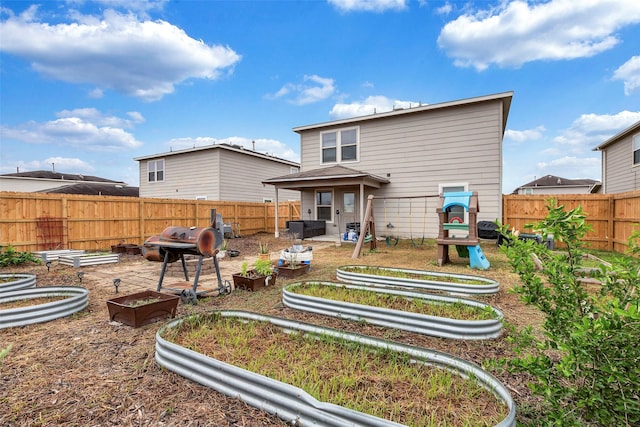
87, 371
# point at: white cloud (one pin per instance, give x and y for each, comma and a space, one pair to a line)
59, 163
629, 73
272, 147
371, 105
590, 130
85, 129
144, 59
313, 89
368, 5
524, 135
516, 32
445, 9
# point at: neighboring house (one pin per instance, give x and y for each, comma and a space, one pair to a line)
420, 151
621, 161
551, 184
214, 172
94, 189
45, 181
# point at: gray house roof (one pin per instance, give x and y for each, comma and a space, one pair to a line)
229, 147
505, 97
94, 190
631, 129
556, 181
60, 176
326, 176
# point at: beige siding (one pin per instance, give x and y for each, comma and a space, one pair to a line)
620, 174
186, 176
419, 151
242, 176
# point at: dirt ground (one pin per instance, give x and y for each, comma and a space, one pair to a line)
85, 370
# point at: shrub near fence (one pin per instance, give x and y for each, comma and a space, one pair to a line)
613, 217
37, 221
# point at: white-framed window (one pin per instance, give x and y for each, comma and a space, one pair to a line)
293, 169
340, 145
155, 169
324, 205
528, 191
636, 149
201, 197
267, 200
456, 211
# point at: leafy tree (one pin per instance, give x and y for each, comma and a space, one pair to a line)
586, 364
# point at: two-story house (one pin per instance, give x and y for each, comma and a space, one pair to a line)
214, 172
621, 161
405, 158
551, 184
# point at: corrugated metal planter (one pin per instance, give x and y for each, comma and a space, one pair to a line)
293, 404
446, 282
54, 255
89, 259
408, 321
14, 282
75, 299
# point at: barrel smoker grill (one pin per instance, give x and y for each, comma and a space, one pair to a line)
174, 243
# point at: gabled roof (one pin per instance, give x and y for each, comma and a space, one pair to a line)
228, 147
634, 127
556, 181
94, 189
329, 175
60, 176
504, 97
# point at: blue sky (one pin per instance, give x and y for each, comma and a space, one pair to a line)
89, 85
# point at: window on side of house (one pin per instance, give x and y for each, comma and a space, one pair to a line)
329, 147
324, 205
340, 146
636, 150
293, 169
155, 168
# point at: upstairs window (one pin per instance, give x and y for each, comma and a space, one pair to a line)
636, 150
155, 168
340, 146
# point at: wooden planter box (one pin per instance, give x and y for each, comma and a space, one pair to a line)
88, 259
125, 310
287, 272
252, 284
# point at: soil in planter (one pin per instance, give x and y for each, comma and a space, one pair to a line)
27, 302
142, 308
385, 384
373, 271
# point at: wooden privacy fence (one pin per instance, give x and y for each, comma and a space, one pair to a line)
613, 217
36, 221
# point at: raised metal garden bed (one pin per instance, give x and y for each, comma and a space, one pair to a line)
88, 259
14, 282
414, 322
293, 404
418, 279
54, 255
75, 299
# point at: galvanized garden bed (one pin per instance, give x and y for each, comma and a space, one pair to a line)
75, 299
293, 404
13, 282
418, 279
84, 260
415, 322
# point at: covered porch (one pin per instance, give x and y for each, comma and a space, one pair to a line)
336, 195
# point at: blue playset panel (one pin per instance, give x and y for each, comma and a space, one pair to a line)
457, 198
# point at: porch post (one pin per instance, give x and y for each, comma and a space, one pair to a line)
277, 232
361, 204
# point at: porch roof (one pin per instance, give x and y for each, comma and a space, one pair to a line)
326, 177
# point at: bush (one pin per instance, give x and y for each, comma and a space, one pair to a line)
9, 256
586, 365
